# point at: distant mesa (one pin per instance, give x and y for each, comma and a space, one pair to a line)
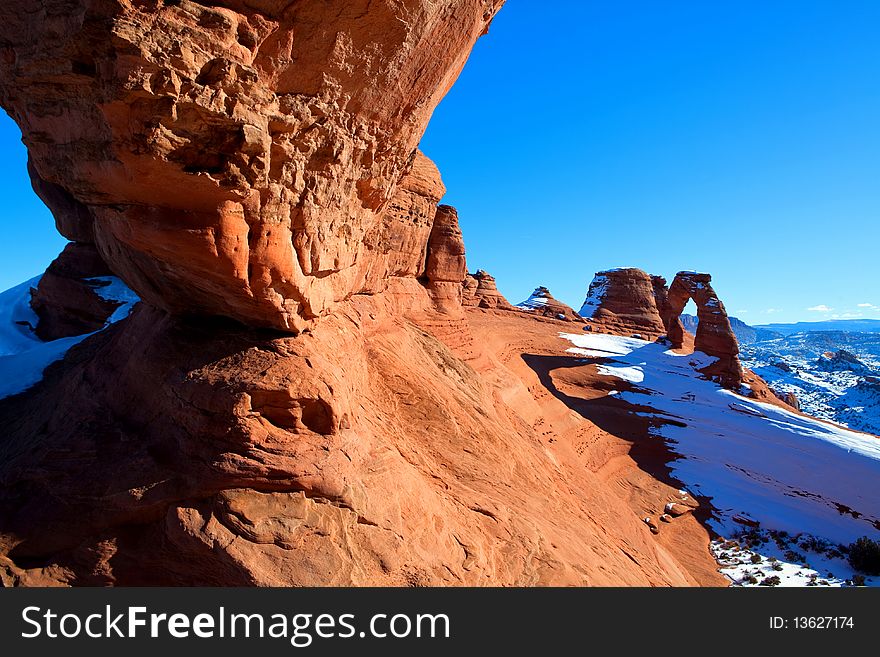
541, 302
745, 334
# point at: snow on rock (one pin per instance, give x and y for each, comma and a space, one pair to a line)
595, 295
755, 461
537, 299
23, 356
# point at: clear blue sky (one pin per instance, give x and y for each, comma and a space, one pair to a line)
738, 137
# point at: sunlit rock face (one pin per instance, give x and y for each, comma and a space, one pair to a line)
238, 157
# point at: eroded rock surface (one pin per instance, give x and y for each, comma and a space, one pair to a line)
541, 302
235, 158
66, 300
625, 301
364, 452
480, 290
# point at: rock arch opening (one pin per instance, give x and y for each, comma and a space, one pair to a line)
714, 335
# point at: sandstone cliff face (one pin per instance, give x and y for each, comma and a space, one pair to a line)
236, 158
625, 300
446, 266
714, 334
481, 290
256, 159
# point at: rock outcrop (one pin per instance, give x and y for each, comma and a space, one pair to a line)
714, 334
480, 290
541, 302
625, 300
446, 266
841, 361
66, 300
788, 398
628, 301
363, 452
256, 160
238, 159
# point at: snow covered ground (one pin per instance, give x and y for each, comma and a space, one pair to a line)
828, 388
23, 356
788, 489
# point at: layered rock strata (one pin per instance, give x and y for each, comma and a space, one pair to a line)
480, 290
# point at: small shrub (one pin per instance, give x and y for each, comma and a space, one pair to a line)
858, 580
864, 556
749, 579
756, 558
777, 566
771, 581
793, 557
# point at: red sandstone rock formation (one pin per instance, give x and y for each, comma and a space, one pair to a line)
541, 302
446, 267
788, 398
65, 302
363, 452
257, 160
625, 301
629, 301
235, 159
714, 334
480, 290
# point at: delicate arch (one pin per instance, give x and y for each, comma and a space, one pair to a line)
715, 335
